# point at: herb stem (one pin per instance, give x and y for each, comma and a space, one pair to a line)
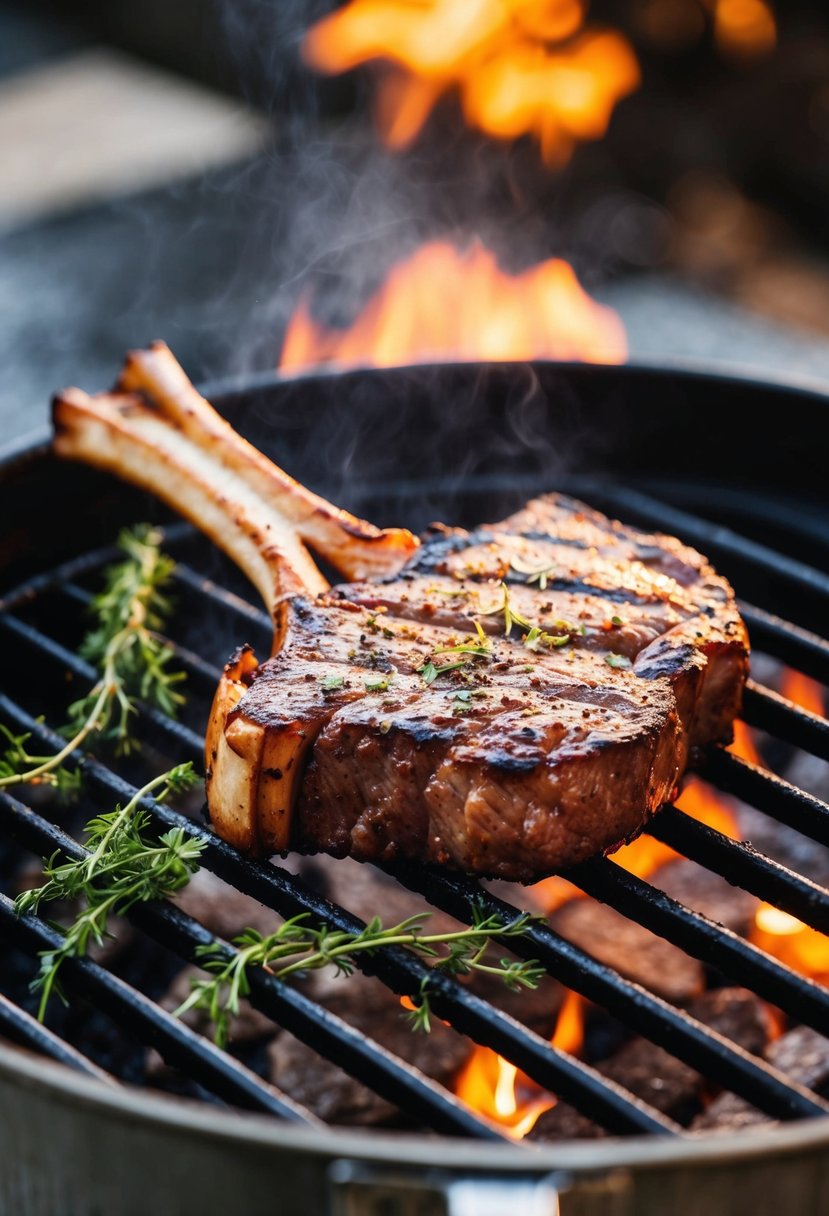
49, 763
130, 656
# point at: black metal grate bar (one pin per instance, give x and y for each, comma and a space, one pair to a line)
743, 866
176, 1043
670, 1027
771, 712
692, 1042
22, 1028
515, 1050
388, 1076
576, 1083
798, 647
713, 944
184, 739
551, 1068
771, 794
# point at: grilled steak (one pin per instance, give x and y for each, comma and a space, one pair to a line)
508, 701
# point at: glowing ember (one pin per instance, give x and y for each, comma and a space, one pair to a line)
442, 303
793, 943
773, 920
744, 28
507, 60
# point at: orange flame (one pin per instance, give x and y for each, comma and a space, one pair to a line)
493, 1087
442, 303
779, 934
744, 745
506, 59
805, 692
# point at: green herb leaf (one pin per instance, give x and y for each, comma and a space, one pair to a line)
331, 683
134, 664
124, 865
378, 683
617, 660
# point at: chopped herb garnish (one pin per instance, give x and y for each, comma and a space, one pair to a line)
537, 638
331, 683
429, 672
616, 620
481, 649
617, 660
378, 683
511, 617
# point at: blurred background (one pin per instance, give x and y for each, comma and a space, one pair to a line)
284, 182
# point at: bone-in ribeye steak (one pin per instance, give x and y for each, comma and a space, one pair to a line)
508, 701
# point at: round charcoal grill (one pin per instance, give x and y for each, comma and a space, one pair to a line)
730, 466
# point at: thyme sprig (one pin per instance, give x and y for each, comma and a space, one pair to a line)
17, 761
482, 649
133, 661
122, 865
297, 946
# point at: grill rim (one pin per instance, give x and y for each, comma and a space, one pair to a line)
161, 1112
416, 1149
36, 442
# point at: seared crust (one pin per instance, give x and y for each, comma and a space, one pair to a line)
523, 761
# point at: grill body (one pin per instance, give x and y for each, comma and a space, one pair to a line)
464, 444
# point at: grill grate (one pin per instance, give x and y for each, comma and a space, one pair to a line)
804, 592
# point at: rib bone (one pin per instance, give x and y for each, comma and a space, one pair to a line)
157, 431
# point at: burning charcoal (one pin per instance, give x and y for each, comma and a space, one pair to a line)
801, 1054
708, 893
737, 1014
337, 1098
222, 909
538, 1008
633, 951
657, 1077
563, 1122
